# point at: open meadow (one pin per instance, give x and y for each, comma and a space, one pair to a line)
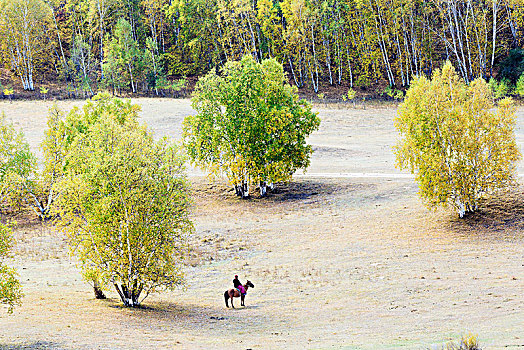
345, 256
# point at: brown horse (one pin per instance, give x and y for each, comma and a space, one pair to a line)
234, 293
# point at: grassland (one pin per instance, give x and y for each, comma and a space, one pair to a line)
353, 261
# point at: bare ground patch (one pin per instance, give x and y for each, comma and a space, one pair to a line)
363, 265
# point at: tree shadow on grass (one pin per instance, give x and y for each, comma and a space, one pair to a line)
297, 191
190, 316
501, 216
32, 346
304, 190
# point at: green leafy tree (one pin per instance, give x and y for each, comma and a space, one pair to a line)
512, 67
113, 74
22, 184
250, 125
154, 71
62, 130
17, 165
501, 88
123, 56
82, 65
124, 204
10, 288
519, 88
23, 32
457, 146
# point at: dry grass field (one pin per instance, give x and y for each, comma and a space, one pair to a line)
353, 262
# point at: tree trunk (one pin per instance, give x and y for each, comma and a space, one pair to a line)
315, 86
242, 190
238, 190
245, 190
263, 189
349, 62
129, 297
293, 72
99, 294
495, 10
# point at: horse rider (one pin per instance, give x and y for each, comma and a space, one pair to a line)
239, 286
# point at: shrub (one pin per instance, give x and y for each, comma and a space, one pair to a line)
399, 95
388, 91
468, 342
351, 94
17, 167
9, 93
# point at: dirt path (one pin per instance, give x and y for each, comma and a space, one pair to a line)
350, 262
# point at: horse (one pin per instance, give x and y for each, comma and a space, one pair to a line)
234, 293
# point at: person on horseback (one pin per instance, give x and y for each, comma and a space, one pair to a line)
239, 286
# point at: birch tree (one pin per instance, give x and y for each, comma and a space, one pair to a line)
22, 25
364, 43
124, 205
155, 18
250, 125
100, 11
17, 165
124, 50
82, 64
459, 148
10, 288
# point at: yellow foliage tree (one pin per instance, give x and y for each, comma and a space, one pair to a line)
22, 31
10, 288
459, 148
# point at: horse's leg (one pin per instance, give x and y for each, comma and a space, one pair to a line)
232, 297
242, 300
226, 296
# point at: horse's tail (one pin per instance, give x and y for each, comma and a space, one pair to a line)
226, 297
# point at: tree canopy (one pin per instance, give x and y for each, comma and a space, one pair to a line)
124, 204
322, 43
17, 165
10, 288
459, 147
22, 29
250, 125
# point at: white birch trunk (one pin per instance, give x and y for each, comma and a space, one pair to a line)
495, 12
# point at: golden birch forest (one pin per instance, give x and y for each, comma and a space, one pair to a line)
152, 46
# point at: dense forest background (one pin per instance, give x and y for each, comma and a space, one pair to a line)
157, 46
